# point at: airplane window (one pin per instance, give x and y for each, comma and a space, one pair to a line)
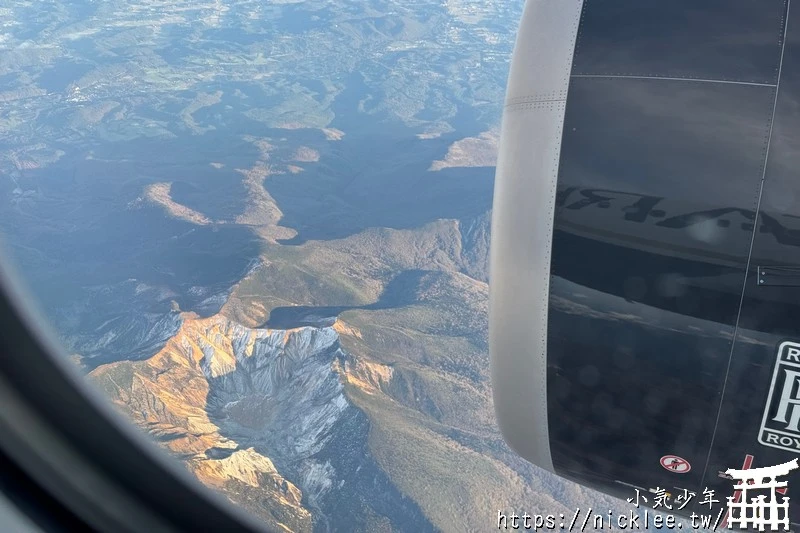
261, 230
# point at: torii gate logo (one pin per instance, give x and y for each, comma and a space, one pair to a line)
764, 509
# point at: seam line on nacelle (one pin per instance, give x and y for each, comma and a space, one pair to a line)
752, 240
670, 78
535, 105
537, 97
533, 100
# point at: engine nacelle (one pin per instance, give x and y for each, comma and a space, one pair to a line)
645, 262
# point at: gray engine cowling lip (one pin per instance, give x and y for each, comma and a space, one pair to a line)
522, 222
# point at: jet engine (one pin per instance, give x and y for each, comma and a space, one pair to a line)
645, 256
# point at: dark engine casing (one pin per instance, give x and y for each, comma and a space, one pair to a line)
645, 262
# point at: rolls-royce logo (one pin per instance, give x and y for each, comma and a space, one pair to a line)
780, 425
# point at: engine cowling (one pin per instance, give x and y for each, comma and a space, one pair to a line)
645, 262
